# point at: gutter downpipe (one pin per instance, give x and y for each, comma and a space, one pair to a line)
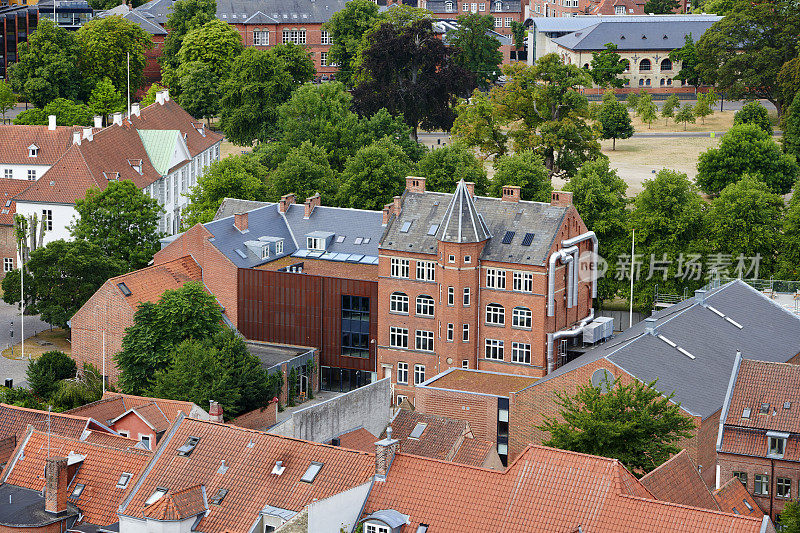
564, 333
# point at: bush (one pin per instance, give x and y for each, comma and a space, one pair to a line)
754, 113
45, 372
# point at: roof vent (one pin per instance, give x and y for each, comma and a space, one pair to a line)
278, 468
764, 409
222, 468
787, 405
700, 296
187, 449
746, 412
218, 497
650, 325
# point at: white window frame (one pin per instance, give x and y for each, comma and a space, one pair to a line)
426, 270
33, 151
398, 337
522, 281
522, 317
619, 10
399, 268
8, 264
466, 297
47, 219
494, 349
279, 247
315, 243
495, 314
451, 332
402, 372
325, 37
508, 22
419, 374
423, 340
521, 352
398, 303
294, 36
31, 174
261, 38
465, 6
323, 59
465, 333
498, 22
375, 528
451, 296
8, 174
482, 7
425, 306
495, 278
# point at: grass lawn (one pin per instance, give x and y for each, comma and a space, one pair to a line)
45, 341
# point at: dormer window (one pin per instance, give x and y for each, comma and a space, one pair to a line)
157, 495
265, 251
777, 443
136, 164
498, 6
279, 247
376, 528
33, 151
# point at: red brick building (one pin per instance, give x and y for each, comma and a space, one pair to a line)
759, 440
480, 283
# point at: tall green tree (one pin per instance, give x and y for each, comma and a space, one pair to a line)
599, 195
701, 108
106, 99
789, 79
791, 129
606, 66
259, 83
670, 105
646, 109
614, 120
185, 16
790, 517
347, 28
44, 372
789, 250
305, 171
634, 423
7, 98
216, 43
374, 175
410, 72
296, 61
480, 124
444, 167
200, 89
690, 69
525, 169
743, 53
150, 95
239, 176
67, 113
662, 7
120, 220
754, 113
477, 50
105, 44
148, 346
685, 115
746, 149
47, 67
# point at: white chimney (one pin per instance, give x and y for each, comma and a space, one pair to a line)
166, 95
650, 326
118, 119
135, 109
160, 97
98, 121
76, 137
87, 134
51, 122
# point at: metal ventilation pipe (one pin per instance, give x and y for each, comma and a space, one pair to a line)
589, 235
565, 258
565, 333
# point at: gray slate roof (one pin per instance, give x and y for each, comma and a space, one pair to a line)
284, 11
661, 35
769, 333
461, 222
568, 24
424, 210
231, 206
268, 222
155, 10
507, 6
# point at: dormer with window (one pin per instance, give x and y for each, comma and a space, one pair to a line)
318, 241
385, 521
33, 151
777, 444
136, 164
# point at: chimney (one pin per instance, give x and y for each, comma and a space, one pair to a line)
87, 134
700, 296
160, 97
135, 109
118, 119
397, 205
51, 122
286, 201
470, 188
511, 193
650, 326
311, 203
561, 198
384, 454
98, 121
240, 222
76, 137
56, 483
215, 410
387, 213
166, 95
415, 184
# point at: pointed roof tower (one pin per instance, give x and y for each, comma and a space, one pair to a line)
461, 222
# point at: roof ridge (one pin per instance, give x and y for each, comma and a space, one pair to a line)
683, 506
148, 268
65, 415
134, 451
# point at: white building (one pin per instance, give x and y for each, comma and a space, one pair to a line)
161, 148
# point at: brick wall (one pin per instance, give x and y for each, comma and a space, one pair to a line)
313, 39
729, 463
706, 444
55, 527
479, 410
8, 248
7, 447
259, 419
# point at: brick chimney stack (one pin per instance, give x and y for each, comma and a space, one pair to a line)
470, 188
397, 205
511, 193
561, 199
415, 184
215, 410
240, 221
286, 201
311, 203
56, 483
384, 454
388, 209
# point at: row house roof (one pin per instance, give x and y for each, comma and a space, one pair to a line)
50, 143
158, 412
15, 420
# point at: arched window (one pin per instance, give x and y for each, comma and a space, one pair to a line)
663, 81
641, 82
448, 7
398, 303
666, 65
521, 317
495, 314
627, 65
424, 305
586, 66
645, 65
647, 82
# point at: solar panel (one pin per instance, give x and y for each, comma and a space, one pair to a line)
528, 239
508, 237
433, 229
406, 227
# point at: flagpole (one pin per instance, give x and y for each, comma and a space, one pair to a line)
633, 248
22, 301
129, 84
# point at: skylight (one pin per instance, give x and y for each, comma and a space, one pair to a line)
124, 289
528, 239
508, 237
418, 430
433, 229
787, 405
157, 495
366, 240
341, 238
123, 480
241, 254
311, 473
746, 412
358, 240
218, 497
764, 408
189, 446
76, 492
406, 227
747, 504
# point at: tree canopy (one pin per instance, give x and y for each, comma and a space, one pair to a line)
67, 113
791, 129
444, 167
185, 16
614, 120
477, 50
7, 98
754, 113
216, 43
304, 172
687, 55
106, 99
347, 28
374, 175
789, 256
525, 169
44, 372
480, 123
662, 7
122, 221
606, 65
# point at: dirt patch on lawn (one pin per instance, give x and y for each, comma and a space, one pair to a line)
46, 341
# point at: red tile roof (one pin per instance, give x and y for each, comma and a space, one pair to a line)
754, 442
15, 420
178, 505
67, 180
107, 439
153, 416
170, 408
440, 439
106, 409
100, 472
358, 439
733, 497
544, 490
15, 141
8, 189
114, 404
473, 452
493, 383
250, 457
149, 283
773, 384
678, 481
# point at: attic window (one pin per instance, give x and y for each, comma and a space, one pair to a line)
787, 405
665, 36
77, 491
8, 203
418, 430
406, 227
189, 446
136, 164
311, 473
341, 238
746, 412
528, 239
644, 36
33, 151
764, 409
508, 237
157, 495
218, 497
433, 229
124, 289
366, 240
111, 176
358, 240
265, 251
622, 37
123, 480
747, 504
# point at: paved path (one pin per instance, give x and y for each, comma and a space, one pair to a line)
11, 368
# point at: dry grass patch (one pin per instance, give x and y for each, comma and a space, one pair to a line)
46, 341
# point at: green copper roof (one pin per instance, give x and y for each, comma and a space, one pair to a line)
160, 145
